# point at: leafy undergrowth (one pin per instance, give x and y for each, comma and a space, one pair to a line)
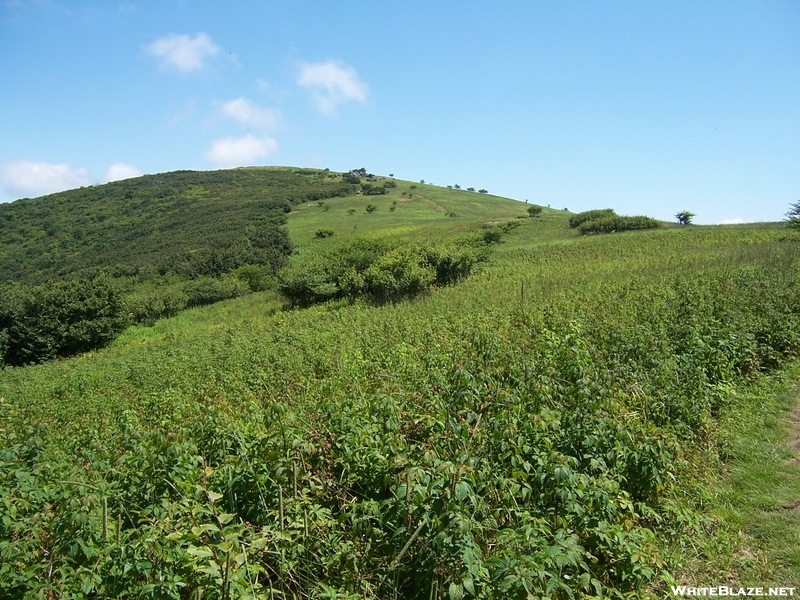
520, 435
742, 523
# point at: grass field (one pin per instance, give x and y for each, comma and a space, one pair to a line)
581, 417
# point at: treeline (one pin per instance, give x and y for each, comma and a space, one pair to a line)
605, 220
378, 270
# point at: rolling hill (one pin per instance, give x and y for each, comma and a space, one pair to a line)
561, 421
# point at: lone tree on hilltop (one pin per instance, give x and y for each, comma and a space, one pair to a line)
535, 211
685, 217
793, 216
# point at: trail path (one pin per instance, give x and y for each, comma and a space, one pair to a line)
794, 434
794, 442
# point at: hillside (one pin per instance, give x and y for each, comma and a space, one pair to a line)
185, 222
542, 428
79, 266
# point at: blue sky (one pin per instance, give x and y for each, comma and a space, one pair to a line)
644, 107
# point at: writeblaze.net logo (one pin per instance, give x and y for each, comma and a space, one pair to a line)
723, 590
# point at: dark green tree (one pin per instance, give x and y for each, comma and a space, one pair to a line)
685, 217
793, 216
535, 211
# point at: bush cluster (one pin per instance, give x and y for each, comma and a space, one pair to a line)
377, 270
605, 220
62, 318
590, 215
148, 305
616, 223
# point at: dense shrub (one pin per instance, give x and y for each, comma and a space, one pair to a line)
373, 190
63, 318
590, 215
207, 290
616, 223
375, 269
257, 277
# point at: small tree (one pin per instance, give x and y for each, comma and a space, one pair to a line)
371, 208
793, 216
685, 217
535, 211
482, 191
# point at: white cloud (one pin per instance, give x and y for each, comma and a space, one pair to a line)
734, 221
237, 152
28, 178
183, 52
119, 171
332, 83
250, 115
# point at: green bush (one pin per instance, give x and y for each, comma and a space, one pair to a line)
148, 306
257, 277
616, 223
62, 318
207, 290
535, 211
375, 269
590, 215
373, 190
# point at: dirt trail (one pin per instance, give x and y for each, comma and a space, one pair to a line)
794, 443
794, 434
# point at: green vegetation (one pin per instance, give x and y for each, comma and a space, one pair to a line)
169, 242
186, 223
793, 216
607, 221
535, 211
375, 268
685, 217
39, 323
742, 502
537, 430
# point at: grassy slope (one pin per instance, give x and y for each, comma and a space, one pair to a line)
424, 213
230, 353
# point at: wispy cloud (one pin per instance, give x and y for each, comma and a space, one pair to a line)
248, 114
241, 151
183, 52
734, 221
119, 171
332, 83
29, 178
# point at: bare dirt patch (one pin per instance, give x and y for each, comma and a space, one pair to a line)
794, 435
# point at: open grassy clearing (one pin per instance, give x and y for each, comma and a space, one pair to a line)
514, 435
420, 210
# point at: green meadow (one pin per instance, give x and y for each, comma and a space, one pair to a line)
598, 416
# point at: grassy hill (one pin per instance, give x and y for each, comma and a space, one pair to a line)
543, 428
157, 223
